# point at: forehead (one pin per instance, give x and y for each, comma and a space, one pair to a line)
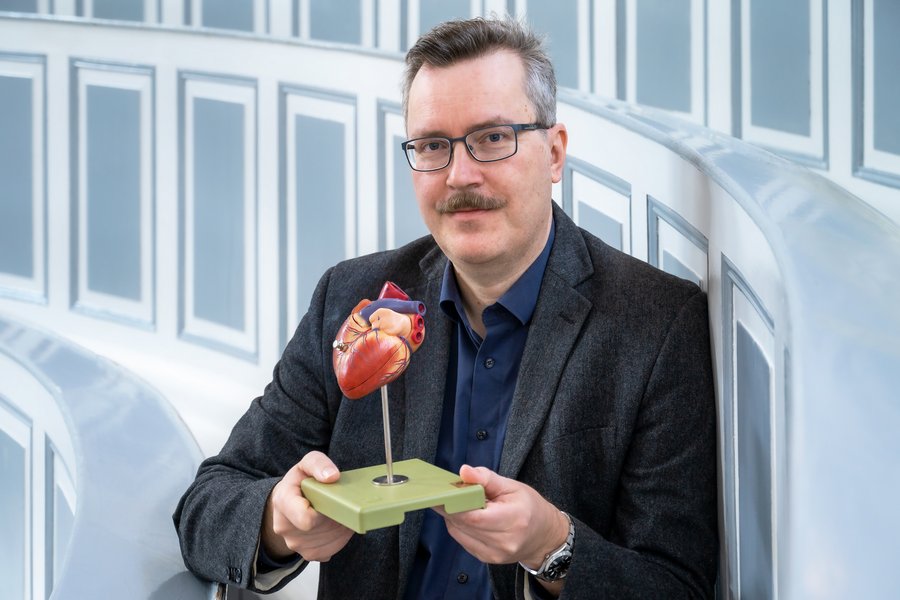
468, 93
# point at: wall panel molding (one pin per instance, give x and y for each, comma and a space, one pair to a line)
218, 250
599, 201
870, 162
756, 104
318, 224
748, 435
676, 246
23, 173
113, 137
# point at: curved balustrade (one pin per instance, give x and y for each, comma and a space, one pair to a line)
185, 246
91, 432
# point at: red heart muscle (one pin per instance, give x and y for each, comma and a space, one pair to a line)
373, 346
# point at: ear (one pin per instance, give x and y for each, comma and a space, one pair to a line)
559, 139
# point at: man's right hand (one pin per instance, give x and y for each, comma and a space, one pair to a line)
291, 525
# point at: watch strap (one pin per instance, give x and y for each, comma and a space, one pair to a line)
560, 557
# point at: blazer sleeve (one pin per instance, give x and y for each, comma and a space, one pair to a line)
664, 537
219, 517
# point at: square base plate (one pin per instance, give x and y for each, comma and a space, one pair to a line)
356, 502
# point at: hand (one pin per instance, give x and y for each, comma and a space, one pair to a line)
291, 525
517, 523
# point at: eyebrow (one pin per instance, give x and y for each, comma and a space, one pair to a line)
479, 125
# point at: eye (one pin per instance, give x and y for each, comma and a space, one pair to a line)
430, 146
492, 137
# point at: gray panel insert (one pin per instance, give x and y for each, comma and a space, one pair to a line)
320, 212
432, 12
602, 225
408, 223
754, 466
886, 44
12, 516
336, 21
559, 20
780, 66
16, 176
113, 191
663, 48
227, 14
125, 10
219, 271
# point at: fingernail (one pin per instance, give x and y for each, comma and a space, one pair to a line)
327, 472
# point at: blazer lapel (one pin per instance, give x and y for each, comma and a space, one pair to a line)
558, 318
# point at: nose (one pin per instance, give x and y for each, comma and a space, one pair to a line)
463, 170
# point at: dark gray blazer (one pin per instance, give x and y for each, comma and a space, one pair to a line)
613, 421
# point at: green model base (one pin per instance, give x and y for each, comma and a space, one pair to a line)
356, 502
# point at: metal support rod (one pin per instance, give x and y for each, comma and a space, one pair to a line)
386, 419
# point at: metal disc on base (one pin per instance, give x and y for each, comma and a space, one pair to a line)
397, 480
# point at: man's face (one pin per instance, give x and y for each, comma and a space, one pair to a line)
453, 101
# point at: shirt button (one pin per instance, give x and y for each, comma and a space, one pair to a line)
481, 435
462, 578
488, 363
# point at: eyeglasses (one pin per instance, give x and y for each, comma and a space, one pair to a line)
488, 144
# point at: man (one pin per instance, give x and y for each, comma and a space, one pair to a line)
557, 372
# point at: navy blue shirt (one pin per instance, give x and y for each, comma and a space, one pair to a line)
481, 379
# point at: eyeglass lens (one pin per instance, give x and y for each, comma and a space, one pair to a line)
488, 144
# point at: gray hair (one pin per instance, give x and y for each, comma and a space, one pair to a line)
459, 40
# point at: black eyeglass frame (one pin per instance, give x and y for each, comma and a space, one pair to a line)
516, 127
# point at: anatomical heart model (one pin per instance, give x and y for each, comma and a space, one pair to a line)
371, 349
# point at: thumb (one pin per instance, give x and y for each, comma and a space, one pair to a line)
493, 484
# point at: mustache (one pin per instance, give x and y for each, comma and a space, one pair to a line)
469, 201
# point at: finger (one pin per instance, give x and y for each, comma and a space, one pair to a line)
494, 485
318, 465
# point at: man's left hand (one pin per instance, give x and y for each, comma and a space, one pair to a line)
516, 524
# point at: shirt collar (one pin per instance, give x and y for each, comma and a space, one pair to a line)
520, 299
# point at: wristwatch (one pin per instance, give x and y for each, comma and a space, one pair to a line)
556, 564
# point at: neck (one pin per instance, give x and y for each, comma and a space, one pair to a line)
482, 285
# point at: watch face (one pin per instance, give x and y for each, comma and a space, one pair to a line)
558, 568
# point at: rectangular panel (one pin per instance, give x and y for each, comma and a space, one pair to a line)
753, 380
676, 246
318, 212
60, 514
113, 191
750, 448
15, 499
124, 10
876, 50
30, 6
218, 233
432, 12
226, 14
664, 53
113, 267
22, 178
886, 59
600, 202
779, 65
336, 21
218, 224
16, 168
782, 77
559, 21
399, 211
663, 48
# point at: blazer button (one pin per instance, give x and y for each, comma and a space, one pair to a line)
481, 435
489, 363
462, 578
